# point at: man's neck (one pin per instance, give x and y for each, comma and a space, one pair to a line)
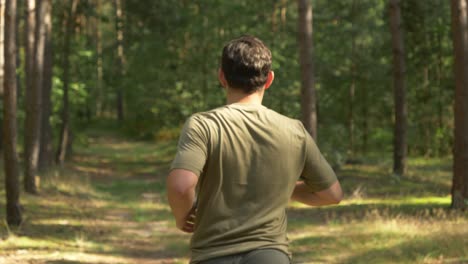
235, 96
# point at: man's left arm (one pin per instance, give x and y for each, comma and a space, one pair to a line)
185, 170
181, 196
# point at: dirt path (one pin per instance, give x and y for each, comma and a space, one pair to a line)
119, 216
108, 205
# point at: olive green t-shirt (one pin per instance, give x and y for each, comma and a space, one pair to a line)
248, 159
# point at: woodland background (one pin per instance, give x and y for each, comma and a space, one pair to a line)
95, 93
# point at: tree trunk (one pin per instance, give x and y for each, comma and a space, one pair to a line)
352, 87
440, 100
2, 47
65, 126
99, 67
2, 60
460, 152
400, 145
352, 90
120, 58
46, 156
32, 134
29, 31
365, 119
308, 97
426, 121
12, 184
18, 55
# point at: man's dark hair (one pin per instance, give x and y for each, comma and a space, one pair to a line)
246, 62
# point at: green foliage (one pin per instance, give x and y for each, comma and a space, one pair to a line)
172, 51
174, 48
430, 79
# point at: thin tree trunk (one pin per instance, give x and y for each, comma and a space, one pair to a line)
440, 103
365, 119
308, 96
12, 184
426, 120
400, 145
2, 60
89, 32
274, 21
99, 68
30, 23
352, 90
460, 152
18, 55
284, 10
2, 47
352, 87
46, 156
34, 104
65, 126
120, 58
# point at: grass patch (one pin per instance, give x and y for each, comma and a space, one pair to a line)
109, 206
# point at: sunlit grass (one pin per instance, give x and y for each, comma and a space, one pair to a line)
109, 206
380, 234
379, 238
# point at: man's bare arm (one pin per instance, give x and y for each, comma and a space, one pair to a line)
332, 195
181, 196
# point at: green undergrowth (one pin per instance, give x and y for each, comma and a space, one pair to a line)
108, 205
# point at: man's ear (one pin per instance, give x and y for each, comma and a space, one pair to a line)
221, 78
270, 78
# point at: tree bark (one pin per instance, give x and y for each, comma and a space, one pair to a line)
65, 126
400, 144
440, 100
426, 121
46, 156
120, 58
99, 67
2, 60
18, 55
30, 23
308, 95
34, 103
352, 87
12, 184
365, 119
460, 151
2, 47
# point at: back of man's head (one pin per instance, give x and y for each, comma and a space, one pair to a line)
246, 62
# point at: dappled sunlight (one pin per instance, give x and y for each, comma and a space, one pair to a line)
109, 208
370, 181
397, 201
400, 201
72, 257
91, 210
96, 171
357, 241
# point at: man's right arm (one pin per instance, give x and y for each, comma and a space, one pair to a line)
320, 185
329, 196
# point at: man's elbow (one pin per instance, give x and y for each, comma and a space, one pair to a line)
334, 194
180, 182
336, 199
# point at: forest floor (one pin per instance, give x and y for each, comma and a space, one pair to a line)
108, 205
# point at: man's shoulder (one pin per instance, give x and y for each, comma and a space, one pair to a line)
284, 121
207, 118
202, 120
284, 118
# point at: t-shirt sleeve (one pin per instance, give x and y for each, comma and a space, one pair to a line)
192, 147
317, 173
